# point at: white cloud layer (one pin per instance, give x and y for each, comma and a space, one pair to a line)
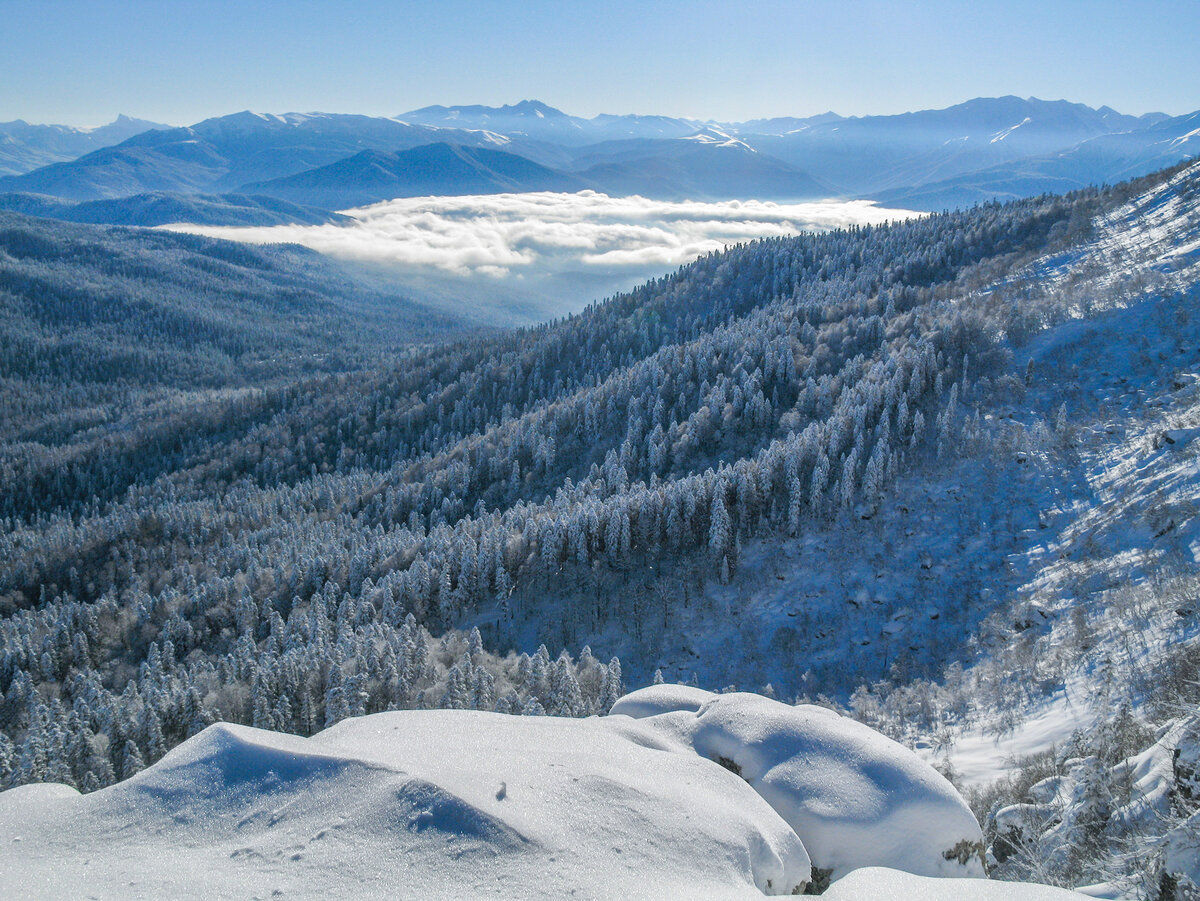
505, 235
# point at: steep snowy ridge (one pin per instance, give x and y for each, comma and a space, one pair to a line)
1096, 638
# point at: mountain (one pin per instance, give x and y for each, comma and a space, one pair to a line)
25, 147
780, 125
537, 121
88, 304
939, 474
1105, 159
872, 154
224, 153
442, 169
982, 149
165, 209
706, 165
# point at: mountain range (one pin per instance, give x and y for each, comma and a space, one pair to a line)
987, 148
441, 168
24, 147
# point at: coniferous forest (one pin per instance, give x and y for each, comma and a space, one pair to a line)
237, 484
226, 497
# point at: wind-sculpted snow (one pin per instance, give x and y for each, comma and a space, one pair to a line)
415, 804
855, 797
467, 804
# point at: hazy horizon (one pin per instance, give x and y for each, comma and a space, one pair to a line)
181, 123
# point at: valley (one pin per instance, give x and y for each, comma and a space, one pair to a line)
862, 438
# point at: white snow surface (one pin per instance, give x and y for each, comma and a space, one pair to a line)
880, 884
458, 804
855, 797
413, 804
979, 756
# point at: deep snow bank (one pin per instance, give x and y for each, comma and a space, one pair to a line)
462, 804
855, 797
415, 804
879, 884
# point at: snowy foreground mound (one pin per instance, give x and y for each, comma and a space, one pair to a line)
464, 804
855, 797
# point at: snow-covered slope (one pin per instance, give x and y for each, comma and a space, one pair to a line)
466, 804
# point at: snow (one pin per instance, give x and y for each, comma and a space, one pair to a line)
647, 802
979, 757
1001, 135
1184, 138
419, 804
855, 797
879, 884
658, 699
717, 138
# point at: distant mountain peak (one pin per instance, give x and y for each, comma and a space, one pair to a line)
528, 108
536, 107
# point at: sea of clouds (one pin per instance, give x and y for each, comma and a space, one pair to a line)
566, 247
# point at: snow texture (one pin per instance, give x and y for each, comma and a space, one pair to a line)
881, 884
855, 797
414, 804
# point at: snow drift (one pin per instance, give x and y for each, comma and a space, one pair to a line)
646, 803
855, 797
881, 884
413, 804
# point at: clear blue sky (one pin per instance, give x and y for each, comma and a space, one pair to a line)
83, 61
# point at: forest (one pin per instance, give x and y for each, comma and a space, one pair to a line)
235, 484
254, 534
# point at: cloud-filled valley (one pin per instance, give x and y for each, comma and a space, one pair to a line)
529, 242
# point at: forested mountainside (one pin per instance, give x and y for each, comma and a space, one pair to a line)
84, 305
781, 461
110, 334
165, 209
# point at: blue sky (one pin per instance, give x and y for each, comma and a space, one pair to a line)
83, 61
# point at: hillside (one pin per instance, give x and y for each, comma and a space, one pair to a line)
110, 333
434, 169
25, 147
877, 466
165, 209
1107, 158
871, 154
706, 165
87, 304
